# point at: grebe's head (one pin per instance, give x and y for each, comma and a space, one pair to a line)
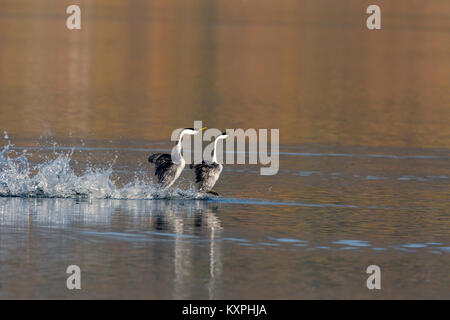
191, 131
224, 135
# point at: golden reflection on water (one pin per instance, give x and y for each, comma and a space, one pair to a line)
311, 68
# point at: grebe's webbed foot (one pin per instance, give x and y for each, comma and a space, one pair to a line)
213, 192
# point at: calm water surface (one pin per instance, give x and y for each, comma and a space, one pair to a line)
364, 164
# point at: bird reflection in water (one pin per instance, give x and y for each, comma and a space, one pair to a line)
183, 236
193, 221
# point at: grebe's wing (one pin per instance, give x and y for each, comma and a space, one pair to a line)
163, 165
159, 158
201, 170
206, 175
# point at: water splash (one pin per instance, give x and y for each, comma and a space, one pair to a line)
54, 177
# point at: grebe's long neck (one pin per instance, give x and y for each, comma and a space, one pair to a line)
177, 153
215, 150
179, 144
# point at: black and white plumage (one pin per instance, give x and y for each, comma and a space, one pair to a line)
207, 174
165, 169
168, 167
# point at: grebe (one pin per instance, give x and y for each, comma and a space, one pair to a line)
207, 174
169, 167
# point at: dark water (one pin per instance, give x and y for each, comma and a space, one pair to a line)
364, 158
